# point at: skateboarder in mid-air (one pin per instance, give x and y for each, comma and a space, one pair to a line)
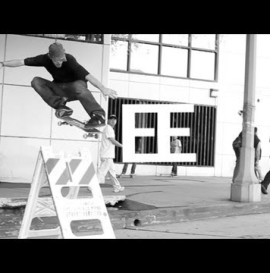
69, 84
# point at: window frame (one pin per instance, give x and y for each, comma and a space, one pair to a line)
89, 38
161, 45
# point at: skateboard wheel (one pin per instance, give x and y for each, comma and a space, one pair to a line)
85, 135
59, 123
96, 136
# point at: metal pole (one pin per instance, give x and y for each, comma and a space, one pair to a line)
246, 187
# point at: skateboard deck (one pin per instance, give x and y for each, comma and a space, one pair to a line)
125, 175
92, 132
168, 175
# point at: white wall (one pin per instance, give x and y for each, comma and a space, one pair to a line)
168, 89
230, 100
26, 121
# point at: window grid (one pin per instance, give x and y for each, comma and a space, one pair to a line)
162, 44
87, 38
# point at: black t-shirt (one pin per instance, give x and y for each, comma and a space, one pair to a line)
70, 70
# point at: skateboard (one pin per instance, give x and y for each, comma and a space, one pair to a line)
168, 175
125, 175
92, 132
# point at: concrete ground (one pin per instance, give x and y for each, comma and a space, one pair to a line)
148, 200
233, 227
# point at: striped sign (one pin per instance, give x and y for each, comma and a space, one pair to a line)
66, 171
86, 175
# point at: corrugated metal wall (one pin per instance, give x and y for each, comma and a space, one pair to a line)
202, 124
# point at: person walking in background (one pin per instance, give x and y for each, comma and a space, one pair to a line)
107, 154
237, 144
176, 147
265, 183
258, 156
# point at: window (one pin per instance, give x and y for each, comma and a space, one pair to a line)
146, 37
191, 56
202, 124
90, 38
119, 55
174, 62
175, 39
202, 65
144, 58
204, 41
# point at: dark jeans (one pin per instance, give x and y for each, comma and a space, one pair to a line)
52, 93
174, 168
133, 168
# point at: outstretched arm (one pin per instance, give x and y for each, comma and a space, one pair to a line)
12, 63
104, 90
115, 142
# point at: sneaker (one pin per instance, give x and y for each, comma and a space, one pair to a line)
95, 121
118, 189
99, 116
63, 111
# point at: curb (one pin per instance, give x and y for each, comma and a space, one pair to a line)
11, 216
131, 219
10, 203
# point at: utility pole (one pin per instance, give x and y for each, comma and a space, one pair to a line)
246, 187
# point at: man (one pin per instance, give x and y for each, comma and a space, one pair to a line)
237, 144
176, 147
258, 156
69, 84
107, 154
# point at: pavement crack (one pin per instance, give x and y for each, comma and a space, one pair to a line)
139, 193
176, 232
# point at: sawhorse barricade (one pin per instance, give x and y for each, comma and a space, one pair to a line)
59, 173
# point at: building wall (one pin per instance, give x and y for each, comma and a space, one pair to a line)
229, 101
26, 122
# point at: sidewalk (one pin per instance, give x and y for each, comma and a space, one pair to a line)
146, 200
